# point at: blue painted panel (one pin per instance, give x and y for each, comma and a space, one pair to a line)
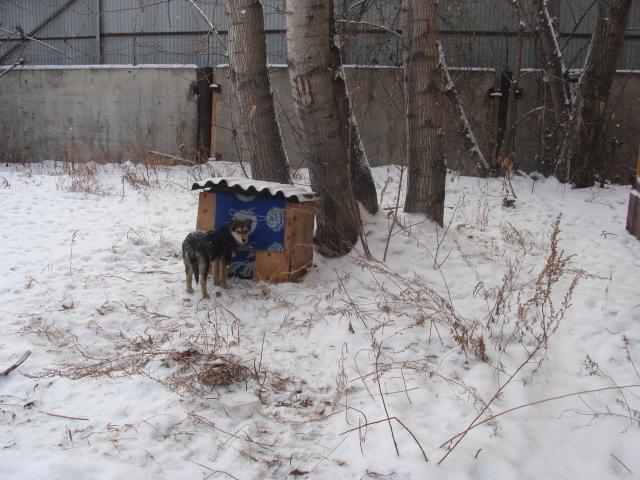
268, 218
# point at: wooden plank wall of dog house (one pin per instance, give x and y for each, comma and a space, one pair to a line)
272, 267
298, 237
633, 214
206, 211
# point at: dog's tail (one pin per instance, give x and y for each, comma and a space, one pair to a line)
196, 272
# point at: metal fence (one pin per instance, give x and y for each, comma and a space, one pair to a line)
475, 33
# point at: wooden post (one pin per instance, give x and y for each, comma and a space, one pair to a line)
214, 114
203, 88
637, 183
99, 58
633, 213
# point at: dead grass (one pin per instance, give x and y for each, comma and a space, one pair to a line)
187, 362
77, 175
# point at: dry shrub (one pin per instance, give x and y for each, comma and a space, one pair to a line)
56, 336
625, 405
416, 301
198, 373
9, 151
139, 179
190, 365
538, 310
81, 178
528, 311
77, 175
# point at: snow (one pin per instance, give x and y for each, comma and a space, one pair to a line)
297, 192
91, 277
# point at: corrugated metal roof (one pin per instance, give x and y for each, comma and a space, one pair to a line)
256, 187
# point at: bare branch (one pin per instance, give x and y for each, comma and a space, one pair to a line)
452, 92
212, 28
22, 37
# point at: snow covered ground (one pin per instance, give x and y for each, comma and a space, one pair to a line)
131, 377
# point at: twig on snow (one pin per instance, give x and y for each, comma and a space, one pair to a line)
20, 361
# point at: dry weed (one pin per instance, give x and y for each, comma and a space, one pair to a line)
139, 178
77, 175
190, 363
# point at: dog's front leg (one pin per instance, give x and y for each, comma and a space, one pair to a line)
224, 273
216, 272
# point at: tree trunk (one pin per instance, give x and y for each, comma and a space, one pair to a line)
554, 65
423, 97
579, 157
363, 184
506, 155
312, 71
557, 112
361, 178
250, 80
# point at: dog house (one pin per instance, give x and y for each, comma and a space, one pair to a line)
280, 246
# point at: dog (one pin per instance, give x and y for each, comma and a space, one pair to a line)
200, 248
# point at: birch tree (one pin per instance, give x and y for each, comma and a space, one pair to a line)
313, 70
250, 79
423, 97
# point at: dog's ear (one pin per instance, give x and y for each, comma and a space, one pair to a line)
233, 224
248, 222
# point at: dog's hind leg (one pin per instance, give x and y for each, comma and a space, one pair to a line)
202, 267
216, 272
188, 272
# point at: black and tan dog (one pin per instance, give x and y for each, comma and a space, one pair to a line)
200, 248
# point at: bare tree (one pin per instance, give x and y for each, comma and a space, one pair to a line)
554, 67
313, 67
423, 97
578, 161
557, 104
506, 154
250, 80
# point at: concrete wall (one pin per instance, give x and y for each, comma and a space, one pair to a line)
378, 100
102, 114
111, 113
378, 103
622, 125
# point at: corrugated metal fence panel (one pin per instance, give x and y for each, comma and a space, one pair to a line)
162, 49
274, 18
26, 13
276, 48
125, 16
629, 57
78, 20
477, 16
476, 33
373, 49
578, 16
80, 51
